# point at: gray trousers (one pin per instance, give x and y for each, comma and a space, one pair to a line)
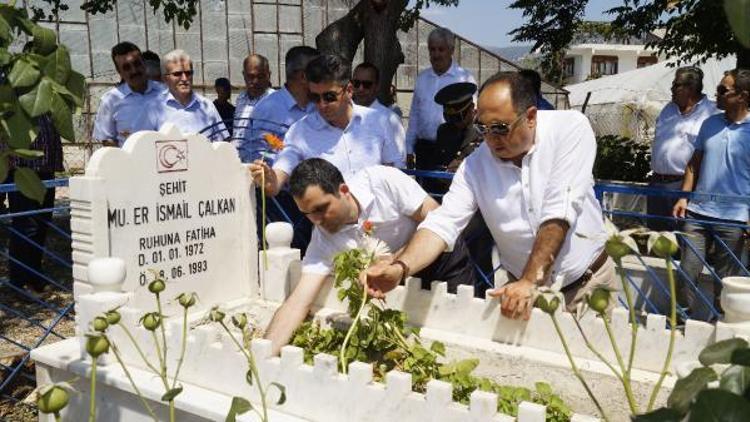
703, 293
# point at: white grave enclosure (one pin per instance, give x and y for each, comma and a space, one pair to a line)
179, 204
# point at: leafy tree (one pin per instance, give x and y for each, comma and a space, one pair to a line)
696, 30
35, 79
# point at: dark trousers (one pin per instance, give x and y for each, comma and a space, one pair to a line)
662, 206
25, 230
453, 267
427, 159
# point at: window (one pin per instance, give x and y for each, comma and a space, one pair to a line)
569, 67
646, 61
603, 65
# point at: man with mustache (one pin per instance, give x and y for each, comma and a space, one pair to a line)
257, 76
190, 112
120, 107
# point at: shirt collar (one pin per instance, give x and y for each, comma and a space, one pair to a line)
364, 197
450, 72
171, 100
744, 121
150, 86
318, 122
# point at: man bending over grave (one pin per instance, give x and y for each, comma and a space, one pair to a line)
378, 204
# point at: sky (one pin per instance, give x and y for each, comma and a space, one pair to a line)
487, 22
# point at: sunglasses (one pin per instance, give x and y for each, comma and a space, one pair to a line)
327, 97
721, 90
497, 129
365, 84
181, 73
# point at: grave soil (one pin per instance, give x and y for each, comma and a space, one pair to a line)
16, 404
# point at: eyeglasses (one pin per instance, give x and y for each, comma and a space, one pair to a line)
721, 90
365, 84
327, 97
497, 129
181, 73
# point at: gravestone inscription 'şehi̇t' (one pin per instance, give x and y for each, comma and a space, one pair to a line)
173, 205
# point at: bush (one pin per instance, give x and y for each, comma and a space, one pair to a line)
621, 158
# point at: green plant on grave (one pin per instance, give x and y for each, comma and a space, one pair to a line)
53, 398
384, 339
35, 80
240, 405
618, 245
717, 390
621, 158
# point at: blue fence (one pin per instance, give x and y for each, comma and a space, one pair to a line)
32, 316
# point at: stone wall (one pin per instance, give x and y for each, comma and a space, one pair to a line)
222, 34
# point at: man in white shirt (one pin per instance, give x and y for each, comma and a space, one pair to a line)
365, 82
378, 208
257, 75
120, 108
280, 110
674, 141
532, 181
190, 112
349, 136
425, 115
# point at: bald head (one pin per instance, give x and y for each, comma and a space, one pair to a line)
257, 75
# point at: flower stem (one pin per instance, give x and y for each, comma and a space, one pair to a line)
633, 322
57, 417
92, 400
352, 328
140, 352
263, 217
171, 411
575, 368
162, 365
672, 333
625, 379
163, 335
253, 369
182, 348
116, 352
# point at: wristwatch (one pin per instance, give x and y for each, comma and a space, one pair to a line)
404, 269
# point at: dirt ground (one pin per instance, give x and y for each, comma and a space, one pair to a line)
15, 403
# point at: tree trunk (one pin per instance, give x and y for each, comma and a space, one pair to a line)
743, 58
375, 22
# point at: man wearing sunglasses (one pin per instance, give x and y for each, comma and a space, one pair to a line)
190, 112
349, 136
365, 83
120, 108
532, 181
720, 165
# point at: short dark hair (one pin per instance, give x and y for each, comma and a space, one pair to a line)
223, 82
741, 80
297, 58
315, 172
534, 77
150, 55
370, 66
692, 76
329, 68
120, 49
521, 91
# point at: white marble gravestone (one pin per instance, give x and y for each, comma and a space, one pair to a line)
171, 203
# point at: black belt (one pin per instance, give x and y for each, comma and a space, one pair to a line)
593, 268
666, 178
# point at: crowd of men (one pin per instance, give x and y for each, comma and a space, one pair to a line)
523, 172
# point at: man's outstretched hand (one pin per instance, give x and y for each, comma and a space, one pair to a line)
381, 277
516, 298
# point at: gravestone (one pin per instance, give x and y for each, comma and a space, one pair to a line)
168, 204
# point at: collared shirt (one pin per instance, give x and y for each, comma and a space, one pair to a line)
120, 109
366, 141
425, 115
725, 167
399, 134
274, 114
198, 116
674, 138
243, 109
387, 198
553, 182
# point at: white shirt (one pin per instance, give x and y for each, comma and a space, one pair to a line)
399, 134
366, 141
243, 109
198, 116
425, 115
553, 182
119, 111
274, 114
674, 139
387, 198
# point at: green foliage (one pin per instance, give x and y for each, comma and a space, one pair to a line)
695, 398
39, 81
739, 19
239, 406
619, 158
